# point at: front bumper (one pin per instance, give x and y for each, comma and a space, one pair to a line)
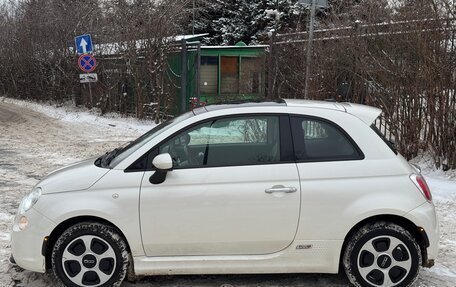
425, 217
26, 245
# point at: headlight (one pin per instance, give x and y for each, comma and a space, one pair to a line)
29, 200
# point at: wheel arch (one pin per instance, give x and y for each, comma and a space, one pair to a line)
49, 242
417, 232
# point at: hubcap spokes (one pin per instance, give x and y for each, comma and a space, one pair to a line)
384, 261
89, 261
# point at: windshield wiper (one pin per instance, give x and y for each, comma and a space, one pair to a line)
98, 161
105, 160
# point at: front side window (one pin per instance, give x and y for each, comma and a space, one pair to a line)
319, 140
226, 142
130, 148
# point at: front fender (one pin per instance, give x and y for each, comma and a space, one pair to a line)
117, 203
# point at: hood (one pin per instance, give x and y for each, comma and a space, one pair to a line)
78, 176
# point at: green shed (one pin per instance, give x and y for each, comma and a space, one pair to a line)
218, 73
213, 74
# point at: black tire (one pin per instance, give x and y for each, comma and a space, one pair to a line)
382, 254
103, 263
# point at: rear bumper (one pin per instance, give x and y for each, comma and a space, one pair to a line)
425, 217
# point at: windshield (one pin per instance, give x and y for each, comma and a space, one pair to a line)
112, 158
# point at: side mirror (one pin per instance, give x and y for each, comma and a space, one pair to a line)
163, 163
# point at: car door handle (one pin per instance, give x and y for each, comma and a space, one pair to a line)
281, 188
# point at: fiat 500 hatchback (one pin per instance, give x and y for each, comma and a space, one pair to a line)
274, 187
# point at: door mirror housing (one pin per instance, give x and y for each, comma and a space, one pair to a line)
163, 162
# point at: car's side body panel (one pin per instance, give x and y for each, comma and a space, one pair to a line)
341, 201
229, 214
344, 193
114, 198
323, 257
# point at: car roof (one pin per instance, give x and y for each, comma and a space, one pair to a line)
240, 104
366, 113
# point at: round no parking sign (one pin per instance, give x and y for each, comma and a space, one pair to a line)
87, 63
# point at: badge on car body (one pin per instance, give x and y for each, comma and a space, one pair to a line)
304, 246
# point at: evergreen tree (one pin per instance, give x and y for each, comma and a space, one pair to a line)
230, 21
363, 11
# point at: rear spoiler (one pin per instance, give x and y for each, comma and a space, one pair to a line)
365, 113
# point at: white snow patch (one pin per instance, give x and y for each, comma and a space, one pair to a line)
442, 189
82, 115
441, 270
6, 217
4, 237
428, 167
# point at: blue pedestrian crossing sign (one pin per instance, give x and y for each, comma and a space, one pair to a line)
84, 44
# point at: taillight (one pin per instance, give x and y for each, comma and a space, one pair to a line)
422, 185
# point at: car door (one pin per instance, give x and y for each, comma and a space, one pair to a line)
234, 190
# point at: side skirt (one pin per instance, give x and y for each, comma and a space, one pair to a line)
301, 257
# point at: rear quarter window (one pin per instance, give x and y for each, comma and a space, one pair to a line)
320, 140
381, 128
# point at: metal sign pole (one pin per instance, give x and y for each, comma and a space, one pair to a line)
198, 74
309, 48
184, 76
193, 19
90, 95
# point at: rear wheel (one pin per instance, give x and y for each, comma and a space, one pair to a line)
382, 254
90, 254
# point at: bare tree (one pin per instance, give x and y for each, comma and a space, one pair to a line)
399, 58
133, 37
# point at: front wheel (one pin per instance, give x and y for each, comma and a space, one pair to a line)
382, 254
90, 254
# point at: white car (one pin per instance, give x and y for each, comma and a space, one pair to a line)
285, 186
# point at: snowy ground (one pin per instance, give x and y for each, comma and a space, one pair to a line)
36, 139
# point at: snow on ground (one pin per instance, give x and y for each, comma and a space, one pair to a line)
443, 187
36, 139
77, 115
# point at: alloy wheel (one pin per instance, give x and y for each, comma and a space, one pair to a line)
89, 260
384, 261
